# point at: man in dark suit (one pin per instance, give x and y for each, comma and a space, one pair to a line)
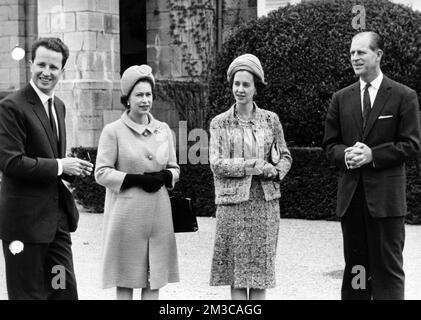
37, 211
372, 127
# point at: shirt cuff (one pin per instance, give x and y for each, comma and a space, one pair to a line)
346, 163
60, 167
175, 177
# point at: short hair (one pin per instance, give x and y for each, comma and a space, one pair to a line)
54, 44
125, 98
376, 40
258, 84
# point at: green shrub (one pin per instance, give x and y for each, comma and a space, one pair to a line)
308, 191
88, 193
304, 50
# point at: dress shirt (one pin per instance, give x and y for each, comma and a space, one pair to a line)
372, 89
44, 100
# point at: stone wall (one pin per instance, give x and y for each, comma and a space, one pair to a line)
236, 12
90, 85
182, 42
180, 38
181, 45
18, 28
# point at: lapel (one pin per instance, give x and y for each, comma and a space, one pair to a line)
235, 132
59, 107
355, 107
39, 111
259, 127
379, 103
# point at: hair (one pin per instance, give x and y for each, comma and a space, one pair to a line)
376, 40
124, 99
258, 84
54, 44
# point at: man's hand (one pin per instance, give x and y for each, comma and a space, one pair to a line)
358, 155
76, 167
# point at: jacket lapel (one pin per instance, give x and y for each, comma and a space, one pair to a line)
379, 102
39, 110
355, 106
59, 106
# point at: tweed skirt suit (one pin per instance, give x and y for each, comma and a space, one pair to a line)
247, 211
247, 196
139, 244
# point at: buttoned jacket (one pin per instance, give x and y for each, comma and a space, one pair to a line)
226, 155
32, 191
126, 147
392, 133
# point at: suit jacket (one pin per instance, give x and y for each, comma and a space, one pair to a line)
227, 162
31, 191
393, 134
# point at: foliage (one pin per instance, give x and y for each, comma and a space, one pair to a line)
304, 50
191, 28
188, 97
88, 193
308, 191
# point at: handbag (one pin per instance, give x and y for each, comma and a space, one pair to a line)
275, 153
183, 215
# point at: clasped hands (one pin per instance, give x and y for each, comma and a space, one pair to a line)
262, 168
153, 181
358, 155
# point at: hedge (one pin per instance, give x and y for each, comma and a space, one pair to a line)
308, 191
304, 50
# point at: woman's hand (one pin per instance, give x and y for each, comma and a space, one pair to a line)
164, 175
148, 183
269, 171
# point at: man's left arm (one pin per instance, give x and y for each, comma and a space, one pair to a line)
408, 138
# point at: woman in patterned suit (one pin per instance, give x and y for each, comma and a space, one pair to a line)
247, 186
136, 162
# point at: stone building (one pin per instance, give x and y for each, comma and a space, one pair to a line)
178, 38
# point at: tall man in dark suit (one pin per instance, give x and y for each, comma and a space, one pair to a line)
371, 128
37, 211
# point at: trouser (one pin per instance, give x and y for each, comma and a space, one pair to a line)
373, 253
42, 271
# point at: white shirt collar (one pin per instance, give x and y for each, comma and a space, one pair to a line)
375, 83
42, 96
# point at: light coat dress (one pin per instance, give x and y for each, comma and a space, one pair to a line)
139, 244
247, 206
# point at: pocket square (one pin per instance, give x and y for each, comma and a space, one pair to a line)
386, 117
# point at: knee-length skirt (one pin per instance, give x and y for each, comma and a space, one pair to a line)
246, 241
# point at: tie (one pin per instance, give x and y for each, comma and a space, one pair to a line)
366, 105
52, 122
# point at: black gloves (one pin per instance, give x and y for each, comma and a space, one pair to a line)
150, 181
146, 182
164, 175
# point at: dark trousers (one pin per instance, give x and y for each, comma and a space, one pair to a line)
42, 271
372, 247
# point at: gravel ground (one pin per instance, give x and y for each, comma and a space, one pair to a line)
309, 262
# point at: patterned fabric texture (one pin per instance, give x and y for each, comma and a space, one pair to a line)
226, 155
246, 241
